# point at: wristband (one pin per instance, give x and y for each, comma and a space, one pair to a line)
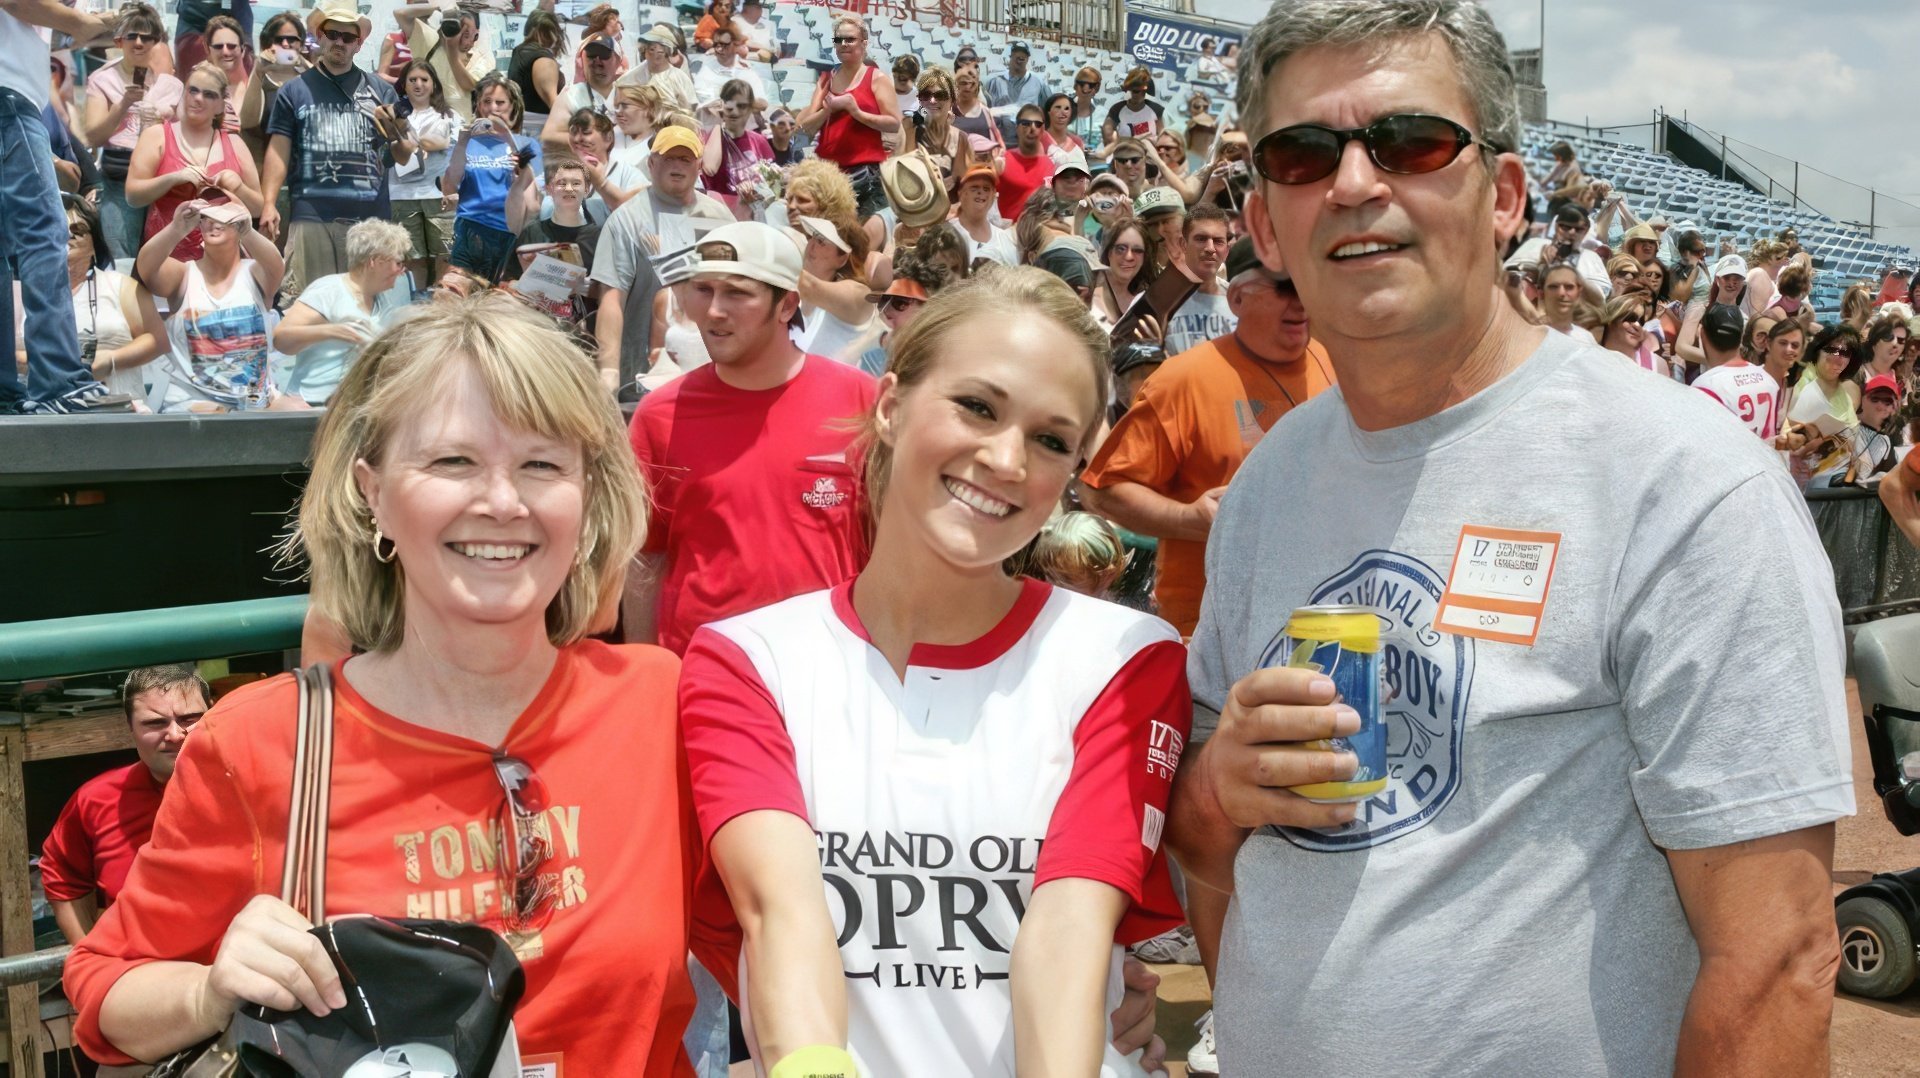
815, 1061
1913, 462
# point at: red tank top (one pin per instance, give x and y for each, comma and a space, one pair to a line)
161, 213
846, 141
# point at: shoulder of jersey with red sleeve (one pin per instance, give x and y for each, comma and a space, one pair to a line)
1107, 824
204, 861
739, 754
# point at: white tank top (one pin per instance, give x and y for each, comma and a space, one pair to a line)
98, 316
826, 335
219, 344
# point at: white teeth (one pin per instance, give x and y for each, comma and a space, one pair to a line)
494, 551
970, 496
1352, 250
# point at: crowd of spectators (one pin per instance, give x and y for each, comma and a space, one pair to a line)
639, 221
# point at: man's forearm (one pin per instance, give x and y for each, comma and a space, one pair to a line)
1143, 510
1751, 1017
57, 16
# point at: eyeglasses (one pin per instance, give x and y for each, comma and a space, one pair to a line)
1132, 249
289, 39
1128, 160
1837, 350
525, 845
341, 37
231, 46
204, 95
1031, 123
838, 40
934, 95
76, 233
900, 303
139, 38
1407, 144
1635, 320
1085, 84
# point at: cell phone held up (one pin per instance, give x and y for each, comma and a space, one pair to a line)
523, 157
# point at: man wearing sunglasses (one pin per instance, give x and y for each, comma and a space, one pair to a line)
331, 141
1603, 827
1028, 165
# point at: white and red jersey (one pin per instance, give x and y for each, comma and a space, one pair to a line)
1747, 391
1043, 750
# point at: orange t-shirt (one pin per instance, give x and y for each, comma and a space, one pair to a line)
411, 835
1192, 423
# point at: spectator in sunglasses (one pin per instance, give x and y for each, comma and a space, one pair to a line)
192, 157
1133, 163
914, 283
852, 107
1385, 135
227, 48
1833, 357
283, 56
933, 128
124, 98
1027, 168
1135, 115
1623, 324
469, 582
1867, 448
1086, 123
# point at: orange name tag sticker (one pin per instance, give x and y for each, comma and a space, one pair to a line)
1497, 589
541, 1066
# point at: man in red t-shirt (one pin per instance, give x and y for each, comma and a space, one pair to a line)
754, 499
1028, 167
86, 857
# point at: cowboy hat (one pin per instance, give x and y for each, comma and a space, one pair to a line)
345, 11
915, 189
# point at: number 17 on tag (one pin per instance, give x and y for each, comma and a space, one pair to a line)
1497, 589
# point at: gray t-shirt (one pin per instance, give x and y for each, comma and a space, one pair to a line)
622, 260
1200, 319
1504, 906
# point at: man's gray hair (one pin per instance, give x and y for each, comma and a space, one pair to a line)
160, 679
374, 238
1293, 26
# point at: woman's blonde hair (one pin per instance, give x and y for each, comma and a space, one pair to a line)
538, 381
646, 96
1002, 293
1620, 264
823, 180
1078, 551
1856, 305
1621, 305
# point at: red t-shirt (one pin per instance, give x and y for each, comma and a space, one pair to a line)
412, 834
1021, 177
753, 497
94, 840
844, 140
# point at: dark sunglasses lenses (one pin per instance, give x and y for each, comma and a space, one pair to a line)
525, 842
342, 37
1407, 144
1128, 160
142, 39
846, 41
291, 40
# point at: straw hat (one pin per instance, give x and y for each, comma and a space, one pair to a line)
915, 189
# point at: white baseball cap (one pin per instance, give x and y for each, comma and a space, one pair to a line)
751, 249
1730, 265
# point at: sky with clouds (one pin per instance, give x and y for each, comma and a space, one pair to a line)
1826, 82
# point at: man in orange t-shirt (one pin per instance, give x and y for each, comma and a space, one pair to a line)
1163, 468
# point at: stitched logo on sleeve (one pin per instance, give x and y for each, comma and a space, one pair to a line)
826, 493
1164, 745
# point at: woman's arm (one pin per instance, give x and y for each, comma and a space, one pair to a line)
303, 327
888, 118
269, 269
456, 164
845, 300
246, 186
149, 333
253, 102
796, 990
713, 155
75, 918
143, 187
1061, 959
1686, 343
547, 81
814, 116
155, 263
522, 203
100, 120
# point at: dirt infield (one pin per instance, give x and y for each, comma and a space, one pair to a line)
1871, 1038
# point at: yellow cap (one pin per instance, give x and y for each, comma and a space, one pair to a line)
673, 136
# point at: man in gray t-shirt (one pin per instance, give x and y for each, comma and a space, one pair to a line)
1614, 754
667, 216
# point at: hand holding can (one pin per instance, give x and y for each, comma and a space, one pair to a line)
1267, 743
1343, 643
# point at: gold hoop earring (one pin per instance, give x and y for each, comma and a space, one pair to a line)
392, 551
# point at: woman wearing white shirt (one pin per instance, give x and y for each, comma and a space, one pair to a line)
415, 187
840, 323
336, 316
120, 329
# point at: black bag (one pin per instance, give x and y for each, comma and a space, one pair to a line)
113, 163
438, 996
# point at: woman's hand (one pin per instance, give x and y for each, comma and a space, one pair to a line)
350, 332
269, 957
187, 216
228, 181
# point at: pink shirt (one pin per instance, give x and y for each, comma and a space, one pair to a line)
164, 93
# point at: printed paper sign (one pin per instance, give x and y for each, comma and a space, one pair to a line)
1498, 587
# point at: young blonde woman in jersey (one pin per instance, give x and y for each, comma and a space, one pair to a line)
932, 722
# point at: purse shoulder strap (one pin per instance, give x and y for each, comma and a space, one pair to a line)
303, 877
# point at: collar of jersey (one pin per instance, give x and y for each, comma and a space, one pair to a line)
351, 706
972, 655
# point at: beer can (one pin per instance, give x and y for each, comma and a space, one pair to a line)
1343, 642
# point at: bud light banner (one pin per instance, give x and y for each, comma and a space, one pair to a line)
1207, 51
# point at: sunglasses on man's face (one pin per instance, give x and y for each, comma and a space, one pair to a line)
846, 40
1031, 122
228, 46
342, 37
1407, 144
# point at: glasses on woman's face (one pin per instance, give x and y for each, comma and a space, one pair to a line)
1128, 161
842, 39
77, 234
1127, 250
200, 93
934, 95
1085, 84
1839, 350
291, 41
526, 844
1408, 144
138, 38
901, 303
